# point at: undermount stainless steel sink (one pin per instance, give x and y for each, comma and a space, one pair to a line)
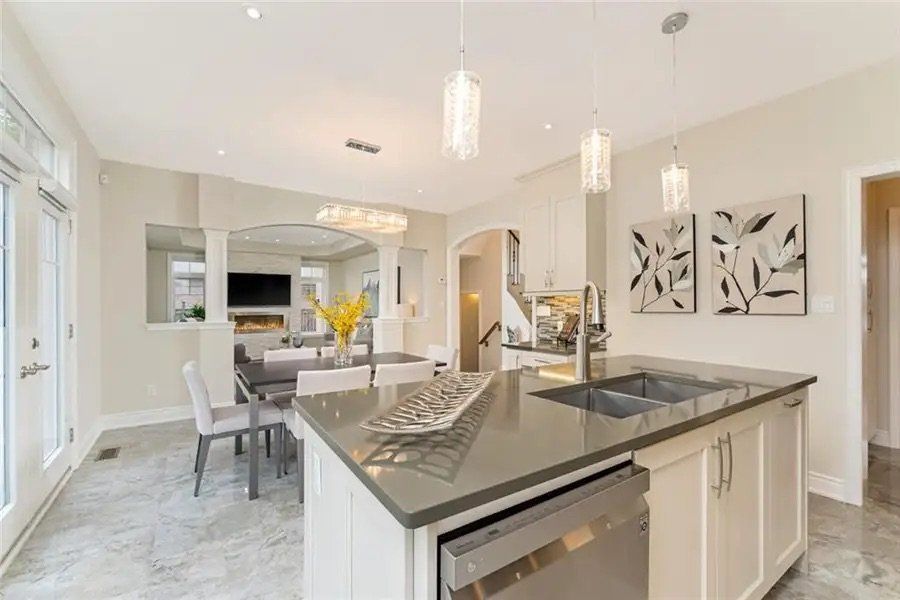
631, 396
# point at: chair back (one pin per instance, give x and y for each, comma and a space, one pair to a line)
333, 380
289, 354
403, 373
445, 354
203, 416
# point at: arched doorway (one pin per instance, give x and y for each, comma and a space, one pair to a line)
482, 298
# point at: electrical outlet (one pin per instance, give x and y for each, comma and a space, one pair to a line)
151, 390
822, 304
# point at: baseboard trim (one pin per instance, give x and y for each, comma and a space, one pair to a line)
83, 448
882, 438
152, 416
828, 486
33, 523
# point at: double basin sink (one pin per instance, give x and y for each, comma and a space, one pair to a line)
627, 397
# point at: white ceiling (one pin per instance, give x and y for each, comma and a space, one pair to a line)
306, 240
169, 84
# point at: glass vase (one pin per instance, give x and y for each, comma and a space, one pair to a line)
342, 347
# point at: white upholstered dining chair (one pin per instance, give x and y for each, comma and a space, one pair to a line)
444, 354
289, 354
226, 421
392, 374
317, 382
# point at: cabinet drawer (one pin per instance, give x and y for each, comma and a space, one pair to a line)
538, 359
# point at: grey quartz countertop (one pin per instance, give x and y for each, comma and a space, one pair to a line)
547, 348
515, 440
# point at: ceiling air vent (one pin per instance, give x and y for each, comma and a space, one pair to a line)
363, 146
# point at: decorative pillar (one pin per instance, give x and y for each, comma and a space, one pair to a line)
387, 328
216, 284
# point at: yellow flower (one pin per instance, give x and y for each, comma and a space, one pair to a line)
344, 315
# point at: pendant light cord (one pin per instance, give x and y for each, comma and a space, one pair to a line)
462, 37
594, 57
674, 101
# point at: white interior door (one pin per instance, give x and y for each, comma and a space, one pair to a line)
36, 441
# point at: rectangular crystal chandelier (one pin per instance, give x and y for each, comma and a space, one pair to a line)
361, 219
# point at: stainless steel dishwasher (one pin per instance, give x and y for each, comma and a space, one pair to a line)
591, 541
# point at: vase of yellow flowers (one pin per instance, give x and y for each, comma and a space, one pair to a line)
343, 316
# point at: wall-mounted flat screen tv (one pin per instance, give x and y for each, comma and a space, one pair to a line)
259, 289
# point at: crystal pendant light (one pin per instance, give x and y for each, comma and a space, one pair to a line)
675, 177
359, 218
462, 106
596, 145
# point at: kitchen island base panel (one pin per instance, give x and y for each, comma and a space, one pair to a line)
353, 543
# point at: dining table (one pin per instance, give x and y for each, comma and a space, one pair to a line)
258, 378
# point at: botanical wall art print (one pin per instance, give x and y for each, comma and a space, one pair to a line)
759, 258
371, 281
663, 264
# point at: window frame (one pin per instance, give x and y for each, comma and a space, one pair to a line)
171, 259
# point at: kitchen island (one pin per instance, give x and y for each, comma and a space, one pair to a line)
376, 505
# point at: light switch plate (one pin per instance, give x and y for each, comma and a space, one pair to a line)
317, 473
822, 304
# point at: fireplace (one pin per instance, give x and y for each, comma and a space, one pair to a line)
257, 322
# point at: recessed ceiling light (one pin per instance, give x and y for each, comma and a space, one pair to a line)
220, 152
252, 12
419, 191
246, 237
277, 240
324, 236
314, 241
548, 126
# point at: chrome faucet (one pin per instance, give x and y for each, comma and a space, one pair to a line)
587, 331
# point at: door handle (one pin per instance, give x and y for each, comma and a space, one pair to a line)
793, 402
727, 482
718, 488
32, 369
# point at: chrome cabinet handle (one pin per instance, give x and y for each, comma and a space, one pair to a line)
793, 402
727, 440
718, 488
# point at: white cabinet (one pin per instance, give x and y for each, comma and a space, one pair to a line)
536, 244
786, 464
740, 523
554, 242
518, 359
728, 503
682, 514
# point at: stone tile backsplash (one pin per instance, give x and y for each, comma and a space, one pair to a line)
560, 308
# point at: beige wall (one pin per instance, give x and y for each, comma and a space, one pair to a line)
802, 143
157, 286
133, 357
27, 76
138, 362
484, 274
880, 196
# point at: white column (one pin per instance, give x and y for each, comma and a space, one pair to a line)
388, 259
387, 328
216, 284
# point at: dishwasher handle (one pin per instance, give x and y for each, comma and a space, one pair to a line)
479, 553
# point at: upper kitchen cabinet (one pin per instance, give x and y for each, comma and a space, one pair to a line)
564, 243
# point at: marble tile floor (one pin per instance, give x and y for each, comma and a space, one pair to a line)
130, 528
854, 552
